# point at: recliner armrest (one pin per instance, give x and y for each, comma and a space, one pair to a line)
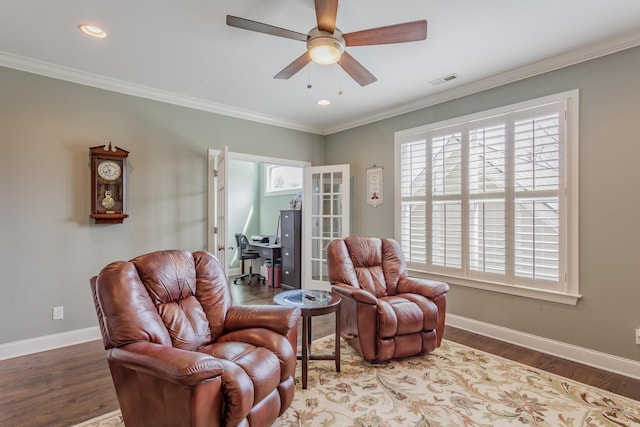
278, 318
178, 366
359, 295
428, 288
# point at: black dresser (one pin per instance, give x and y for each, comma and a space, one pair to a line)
291, 243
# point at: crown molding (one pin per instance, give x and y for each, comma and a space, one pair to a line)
88, 79
577, 56
114, 85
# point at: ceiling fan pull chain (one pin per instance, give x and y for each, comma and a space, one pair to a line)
339, 79
309, 85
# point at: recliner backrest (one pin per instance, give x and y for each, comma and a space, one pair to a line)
367, 262
169, 297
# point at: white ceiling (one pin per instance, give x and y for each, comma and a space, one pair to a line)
182, 51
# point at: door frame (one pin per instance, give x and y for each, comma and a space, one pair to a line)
212, 184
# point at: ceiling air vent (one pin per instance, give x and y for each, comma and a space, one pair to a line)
443, 80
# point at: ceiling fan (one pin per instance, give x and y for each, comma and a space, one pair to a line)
326, 43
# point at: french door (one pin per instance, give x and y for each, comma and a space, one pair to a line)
325, 216
218, 202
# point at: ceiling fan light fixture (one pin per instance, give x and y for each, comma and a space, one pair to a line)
325, 48
325, 53
326, 43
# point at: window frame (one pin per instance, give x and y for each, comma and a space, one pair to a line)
567, 289
268, 167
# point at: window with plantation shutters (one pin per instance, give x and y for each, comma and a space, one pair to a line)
490, 200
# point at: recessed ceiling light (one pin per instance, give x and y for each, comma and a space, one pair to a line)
323, 102
92, 30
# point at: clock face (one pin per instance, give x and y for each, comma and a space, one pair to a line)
109, 170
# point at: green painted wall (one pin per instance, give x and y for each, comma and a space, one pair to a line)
48, 247
244, 206
606, 317
270, 207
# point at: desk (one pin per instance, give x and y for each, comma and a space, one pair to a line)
268, 251
313, 303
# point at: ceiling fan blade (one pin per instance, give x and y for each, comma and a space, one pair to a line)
398, 33
247, 24
326, 11
294, 67
356, 70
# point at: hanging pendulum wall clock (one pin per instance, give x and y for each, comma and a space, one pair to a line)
108, 184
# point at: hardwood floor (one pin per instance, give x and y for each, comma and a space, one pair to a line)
66, 386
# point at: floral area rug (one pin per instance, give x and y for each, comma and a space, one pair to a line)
453, 386
112, 419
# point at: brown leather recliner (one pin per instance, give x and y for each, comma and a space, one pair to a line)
181, 354
384, 314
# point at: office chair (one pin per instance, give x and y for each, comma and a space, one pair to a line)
244, 253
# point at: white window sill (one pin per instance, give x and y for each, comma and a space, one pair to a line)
540, 294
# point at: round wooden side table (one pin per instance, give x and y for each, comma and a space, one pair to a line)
313, 303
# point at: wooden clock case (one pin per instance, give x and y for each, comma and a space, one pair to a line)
111, 211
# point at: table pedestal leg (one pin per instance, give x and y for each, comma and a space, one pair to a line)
306, 339
337, 338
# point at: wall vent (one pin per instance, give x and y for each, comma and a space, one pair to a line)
443, 80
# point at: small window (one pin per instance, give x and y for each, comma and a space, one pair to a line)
282, 179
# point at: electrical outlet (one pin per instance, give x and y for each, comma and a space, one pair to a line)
58, 313
638, 336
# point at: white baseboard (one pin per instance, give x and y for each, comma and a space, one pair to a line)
48, 342
627, 367
607, 362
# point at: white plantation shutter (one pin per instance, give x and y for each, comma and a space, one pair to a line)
484, 198
487, 216
446, 200
413, 184
446, 232
537, 186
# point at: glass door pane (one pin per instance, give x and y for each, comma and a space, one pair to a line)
326, 217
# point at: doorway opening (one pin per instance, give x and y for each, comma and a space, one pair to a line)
325, 202
257, 189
